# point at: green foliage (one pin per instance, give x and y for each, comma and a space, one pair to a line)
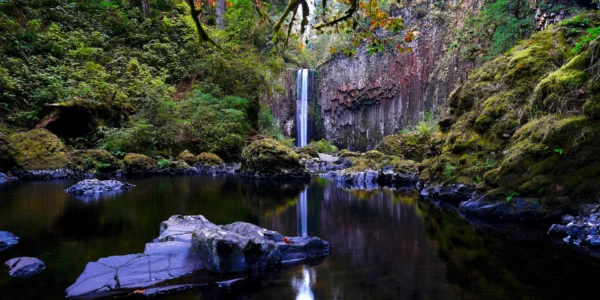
325, 146
510, 196
91, 164
559, 151
425, 127
164, 163
449, 172
592, 34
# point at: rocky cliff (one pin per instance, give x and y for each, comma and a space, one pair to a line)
377, 95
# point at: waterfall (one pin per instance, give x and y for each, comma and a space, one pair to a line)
302, 107
302, 210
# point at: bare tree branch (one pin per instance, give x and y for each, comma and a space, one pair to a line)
349, 13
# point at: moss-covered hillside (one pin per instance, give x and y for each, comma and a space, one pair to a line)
526, 123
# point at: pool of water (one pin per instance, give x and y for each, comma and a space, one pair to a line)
386, 244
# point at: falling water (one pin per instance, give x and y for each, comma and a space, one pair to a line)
302, 208
302, 107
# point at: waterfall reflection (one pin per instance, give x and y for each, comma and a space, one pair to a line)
302, 285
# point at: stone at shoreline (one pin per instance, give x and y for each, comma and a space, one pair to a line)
228, 168
62, 173
7, 240
3, 178
228, 249
518, 209
453, 194
95, 186
581, 232
22, 267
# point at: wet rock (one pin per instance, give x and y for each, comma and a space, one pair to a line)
224, 251
519, 209
180, 228
62, 173
326, 164
95, 186
253, 231
566, 219
302, 248
22, 267
7, 240
557, 230
217, 169
453, 194
3, 178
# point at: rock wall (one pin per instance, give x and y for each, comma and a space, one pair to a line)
282, 100
377, 95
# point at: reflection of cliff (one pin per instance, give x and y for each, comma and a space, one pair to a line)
380, 247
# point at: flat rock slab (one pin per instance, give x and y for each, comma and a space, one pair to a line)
22, 267
7, 240
159, 263
95, 186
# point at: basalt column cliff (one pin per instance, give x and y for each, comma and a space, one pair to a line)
362, 100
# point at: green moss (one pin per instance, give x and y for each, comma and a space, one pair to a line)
6, 153
209, 159
187, 157
38, 149
268, 157
591, 108
410, 145
345, 153
139, 162
325, 146
308, 151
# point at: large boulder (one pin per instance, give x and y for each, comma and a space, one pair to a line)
187, 157
223, 251
209, 159
22, 267
39, 149
95, 186
139, 163
268, 158
7, 240
309, 150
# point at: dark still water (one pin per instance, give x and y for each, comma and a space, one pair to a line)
386, 244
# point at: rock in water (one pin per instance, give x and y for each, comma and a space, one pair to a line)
180, 228
3, 178
224, 251
268, 158
95, 186
22, 267
188, 244
7, 240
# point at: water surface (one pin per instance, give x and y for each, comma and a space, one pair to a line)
386, 244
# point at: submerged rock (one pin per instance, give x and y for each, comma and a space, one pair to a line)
268, 158
222, 250
22, 267
7, 240
95, 186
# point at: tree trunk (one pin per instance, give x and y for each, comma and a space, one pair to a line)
220, 13
145, 8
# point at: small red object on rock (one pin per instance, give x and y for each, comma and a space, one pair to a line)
287, 241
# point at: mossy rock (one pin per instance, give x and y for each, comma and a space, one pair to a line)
7, 153
345, 153
139, 162
406, 167
325, 146
310, 150
98, 159
209, 159
411, 145
38, 149
591, 108
267, 158
188, 157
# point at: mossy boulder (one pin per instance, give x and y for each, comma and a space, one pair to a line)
7, 153
406, 167
308, 150
95, 159
411, 145
345, 153
267, 158
209, 159
38, 149
188, 157
139, 163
